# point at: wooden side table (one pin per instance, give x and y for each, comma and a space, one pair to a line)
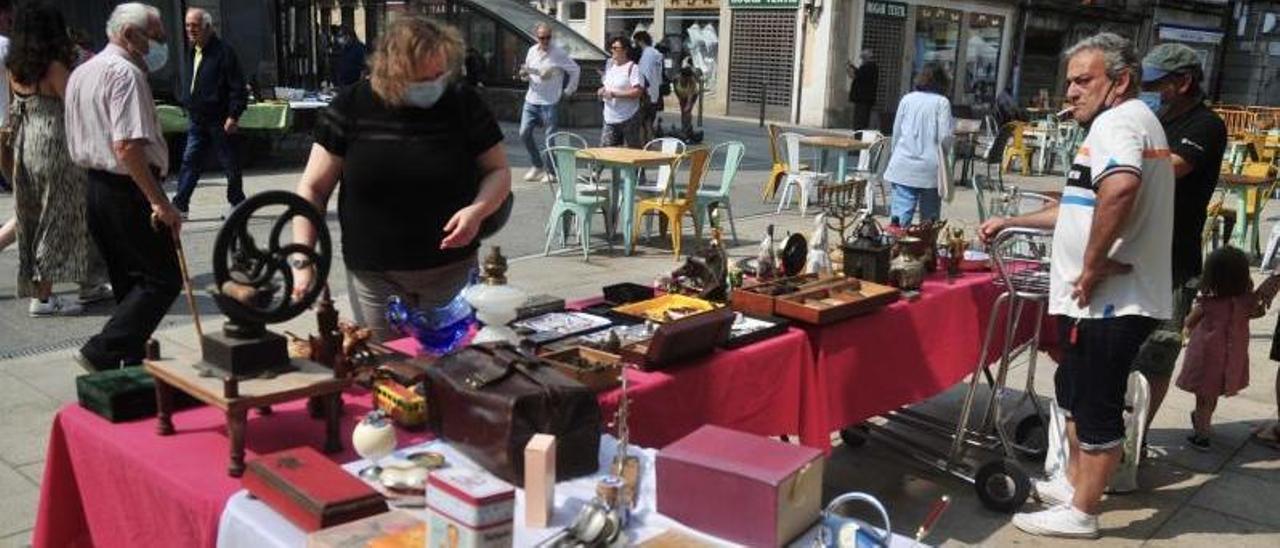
308, 379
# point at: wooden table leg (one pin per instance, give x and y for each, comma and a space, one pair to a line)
236, 419
264, 410
164, 408
333, 408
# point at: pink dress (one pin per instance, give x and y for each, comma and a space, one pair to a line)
1217, 357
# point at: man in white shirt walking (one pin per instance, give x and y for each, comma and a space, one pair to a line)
651, 65
551, 74
1110, 280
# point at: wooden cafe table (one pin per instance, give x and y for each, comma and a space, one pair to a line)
626, 164
1248, 225
839, 143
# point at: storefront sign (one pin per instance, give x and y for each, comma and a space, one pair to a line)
1190, 34
940, 14
887, 9
630, 4
764, 4
984, 20
692, 4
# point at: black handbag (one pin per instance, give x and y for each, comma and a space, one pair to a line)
487, 400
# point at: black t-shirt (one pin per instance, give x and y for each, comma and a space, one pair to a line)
405, 172
1200, 137
865, 78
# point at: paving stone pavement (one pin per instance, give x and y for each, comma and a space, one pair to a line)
1188, 498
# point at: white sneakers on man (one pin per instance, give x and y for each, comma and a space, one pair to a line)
1058, 521
1054, 492
54, 306
534, 174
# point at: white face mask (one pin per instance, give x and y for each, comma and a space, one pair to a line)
426, 94
157, 56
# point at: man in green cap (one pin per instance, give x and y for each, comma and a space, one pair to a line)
1171, 86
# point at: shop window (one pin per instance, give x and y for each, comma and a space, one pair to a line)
627, 22
577, 11
937, 39
692, 35
982, 58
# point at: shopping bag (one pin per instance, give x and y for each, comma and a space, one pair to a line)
1137, 401
946, 185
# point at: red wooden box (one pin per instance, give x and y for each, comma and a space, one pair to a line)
310, 490
740, 487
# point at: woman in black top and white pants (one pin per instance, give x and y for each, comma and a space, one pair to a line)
422, 165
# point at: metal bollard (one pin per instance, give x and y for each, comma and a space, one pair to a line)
764, 87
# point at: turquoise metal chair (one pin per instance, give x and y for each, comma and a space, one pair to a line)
730, 155
571, 200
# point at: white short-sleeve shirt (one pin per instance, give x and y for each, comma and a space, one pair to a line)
619, 78
1127, 138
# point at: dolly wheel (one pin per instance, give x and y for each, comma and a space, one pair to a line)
1031, 438
854, 437
1002, 486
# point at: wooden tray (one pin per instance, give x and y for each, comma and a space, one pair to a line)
757, 298
658, 309
834, 299
601, 372
681, 340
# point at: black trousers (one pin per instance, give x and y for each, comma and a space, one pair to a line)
141, 263
861, 116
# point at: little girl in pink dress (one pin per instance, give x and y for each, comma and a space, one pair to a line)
1216, 362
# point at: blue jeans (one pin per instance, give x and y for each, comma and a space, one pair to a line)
530, 117
199, 139
905, 199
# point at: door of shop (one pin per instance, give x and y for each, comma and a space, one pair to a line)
883, 32
761, 62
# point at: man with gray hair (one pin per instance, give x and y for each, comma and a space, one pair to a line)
551, 74
1109, 277
215, 99
113, 132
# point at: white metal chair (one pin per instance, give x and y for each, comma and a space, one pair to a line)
806, 181
873, 172
864, 157
667, 145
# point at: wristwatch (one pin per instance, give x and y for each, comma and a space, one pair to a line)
299, 263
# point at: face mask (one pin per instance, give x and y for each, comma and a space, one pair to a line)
1152, 100
425, 94
157, 56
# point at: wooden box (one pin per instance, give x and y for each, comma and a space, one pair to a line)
743, 488
757, 298
833, 300
681, 340
124, 394
310, 490
599, 370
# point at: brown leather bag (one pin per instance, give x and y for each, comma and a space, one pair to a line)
488, 400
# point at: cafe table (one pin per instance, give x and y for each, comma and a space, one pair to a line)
626, 164
842, 145
1247, 189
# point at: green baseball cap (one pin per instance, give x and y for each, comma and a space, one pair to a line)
1168, 58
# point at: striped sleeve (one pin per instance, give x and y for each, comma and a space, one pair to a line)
1116, 148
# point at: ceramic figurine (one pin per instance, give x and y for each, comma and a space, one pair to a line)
818, 261
767, 258
956, 246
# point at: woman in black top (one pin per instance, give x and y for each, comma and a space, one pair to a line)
421, 162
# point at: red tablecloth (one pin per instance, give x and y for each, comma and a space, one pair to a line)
759, 388
905, 353
122, 485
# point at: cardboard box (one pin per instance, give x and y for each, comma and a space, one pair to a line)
740, 487
394, 529
539, 480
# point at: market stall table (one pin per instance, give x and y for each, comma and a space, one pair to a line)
760, 388
1247, 189
626, 164
935, 344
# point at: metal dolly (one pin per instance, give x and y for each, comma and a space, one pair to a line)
1021, 260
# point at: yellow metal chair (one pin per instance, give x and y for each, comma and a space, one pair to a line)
1256, 199
1017, 148
673, 204
780, 168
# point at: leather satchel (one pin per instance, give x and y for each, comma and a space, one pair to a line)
487, 401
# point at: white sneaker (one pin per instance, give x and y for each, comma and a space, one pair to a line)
55, 306
534, 174
1053, 492
547, 178
1059, 521
93, 294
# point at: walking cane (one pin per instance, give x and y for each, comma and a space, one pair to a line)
186, 278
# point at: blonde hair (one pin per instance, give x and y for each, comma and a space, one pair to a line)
408, 39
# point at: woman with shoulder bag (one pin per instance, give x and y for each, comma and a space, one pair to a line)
422, 167
922, 136
620, 92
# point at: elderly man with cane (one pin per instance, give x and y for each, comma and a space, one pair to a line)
113, 132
